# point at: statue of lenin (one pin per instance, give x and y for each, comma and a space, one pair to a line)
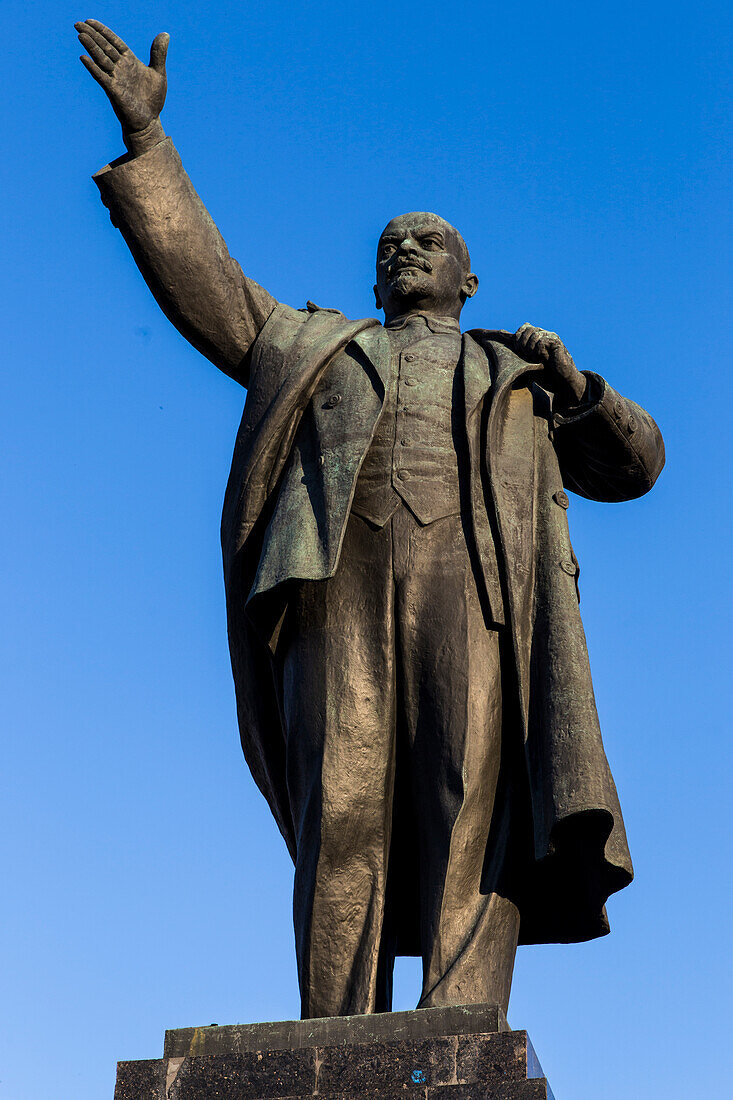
412, 680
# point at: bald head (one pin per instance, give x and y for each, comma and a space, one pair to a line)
422, 264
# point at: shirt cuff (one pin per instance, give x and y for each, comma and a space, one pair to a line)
142, 141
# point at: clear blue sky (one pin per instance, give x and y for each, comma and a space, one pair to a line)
583, 152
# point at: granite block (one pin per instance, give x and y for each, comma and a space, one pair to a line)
259, 1075
515, 1090
536, 1089
492, 1058
421, 1023
370, 1066
140, 1080
511, 1090
460, 1053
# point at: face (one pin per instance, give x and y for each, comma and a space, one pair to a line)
422, 263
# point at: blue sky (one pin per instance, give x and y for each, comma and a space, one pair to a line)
583, 151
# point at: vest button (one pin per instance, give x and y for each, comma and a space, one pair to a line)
410, 381
403, 475
332, 401
409, 357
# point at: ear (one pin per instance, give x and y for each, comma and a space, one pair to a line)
377, 299
470, 286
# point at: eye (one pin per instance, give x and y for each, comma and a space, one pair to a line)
387, 249
432, 244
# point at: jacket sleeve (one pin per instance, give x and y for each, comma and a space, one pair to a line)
183, 257
609, 448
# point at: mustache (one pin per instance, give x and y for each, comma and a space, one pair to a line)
410, 261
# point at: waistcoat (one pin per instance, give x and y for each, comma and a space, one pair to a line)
416, 450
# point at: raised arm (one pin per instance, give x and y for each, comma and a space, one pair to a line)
174, 242
608, 447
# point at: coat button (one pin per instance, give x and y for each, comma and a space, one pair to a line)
631, 426
561, 498
569, 567
618, 410
332, 401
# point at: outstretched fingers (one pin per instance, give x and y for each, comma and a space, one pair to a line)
98, 56
110, 36
99, 40
104, 49
99, 75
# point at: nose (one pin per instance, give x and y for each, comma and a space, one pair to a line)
408, 245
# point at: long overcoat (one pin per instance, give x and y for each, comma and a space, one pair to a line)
316, 383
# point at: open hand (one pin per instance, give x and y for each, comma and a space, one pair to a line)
135, 90
537, 345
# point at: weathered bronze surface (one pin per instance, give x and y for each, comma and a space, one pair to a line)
412, 679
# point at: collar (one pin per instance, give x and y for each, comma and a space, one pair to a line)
435, 324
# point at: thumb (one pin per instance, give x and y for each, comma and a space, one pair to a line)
158, 52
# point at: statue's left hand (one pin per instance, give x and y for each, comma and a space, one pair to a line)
537, 345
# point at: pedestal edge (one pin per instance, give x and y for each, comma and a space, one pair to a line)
421, 1023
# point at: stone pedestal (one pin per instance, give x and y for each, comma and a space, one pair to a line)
459, 1053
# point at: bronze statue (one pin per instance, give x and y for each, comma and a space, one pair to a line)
412, 680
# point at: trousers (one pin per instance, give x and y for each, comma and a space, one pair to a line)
390, 688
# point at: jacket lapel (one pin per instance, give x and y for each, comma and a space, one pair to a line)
374, 342
510, 459
476, 373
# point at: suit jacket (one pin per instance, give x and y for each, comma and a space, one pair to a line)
316, 385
